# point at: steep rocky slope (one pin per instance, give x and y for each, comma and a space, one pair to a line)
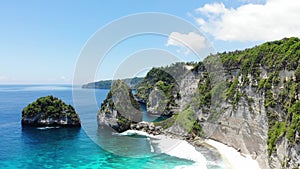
119, 109
247, 99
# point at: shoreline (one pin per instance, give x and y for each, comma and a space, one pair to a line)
177, 146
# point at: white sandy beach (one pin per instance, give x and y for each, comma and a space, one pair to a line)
173, 147
233, 157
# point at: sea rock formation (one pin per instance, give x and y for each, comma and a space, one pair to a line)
119, 110
50, 111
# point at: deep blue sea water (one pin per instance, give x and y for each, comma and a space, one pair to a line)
87, 147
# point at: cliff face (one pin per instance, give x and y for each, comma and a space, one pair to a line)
251, 124
119, 109
247, 99
241, 123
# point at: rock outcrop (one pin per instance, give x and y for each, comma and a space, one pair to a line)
148, 127
119, 110
50, 111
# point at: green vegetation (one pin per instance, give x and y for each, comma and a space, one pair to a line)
50, 107
204, 89
275, 55
186, 119
233, 94
167, 122
291, 107
294, 126
275, 132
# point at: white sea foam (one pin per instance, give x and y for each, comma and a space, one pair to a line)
173, 147
47, 128
135, 132
181, 149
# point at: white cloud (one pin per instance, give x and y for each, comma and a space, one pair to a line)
215, 8
252, 1
251, 22
188, 42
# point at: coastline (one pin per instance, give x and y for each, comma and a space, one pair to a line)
176, 146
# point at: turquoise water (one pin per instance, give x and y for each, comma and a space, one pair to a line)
87, 147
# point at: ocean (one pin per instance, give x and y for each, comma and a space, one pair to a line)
87, 147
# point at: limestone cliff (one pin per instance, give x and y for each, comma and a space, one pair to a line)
119, 109
247, 99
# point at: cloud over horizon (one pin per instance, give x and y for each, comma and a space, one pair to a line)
251, 22
188, 42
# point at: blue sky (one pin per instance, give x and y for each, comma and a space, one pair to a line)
41, 40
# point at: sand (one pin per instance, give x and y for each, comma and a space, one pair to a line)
234, 159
